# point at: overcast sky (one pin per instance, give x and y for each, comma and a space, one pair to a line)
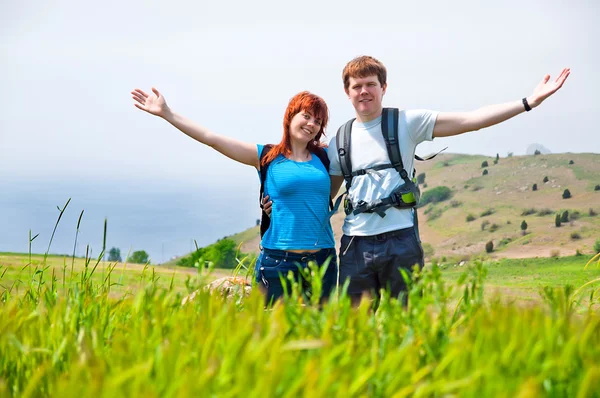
68, 67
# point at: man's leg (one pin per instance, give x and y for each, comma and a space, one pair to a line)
402, 250
356, 266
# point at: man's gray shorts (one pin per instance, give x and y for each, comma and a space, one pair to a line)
374, 262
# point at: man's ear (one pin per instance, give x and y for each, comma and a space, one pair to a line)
347, 91
383, 88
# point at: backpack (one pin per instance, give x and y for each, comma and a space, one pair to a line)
407, 195
265, 220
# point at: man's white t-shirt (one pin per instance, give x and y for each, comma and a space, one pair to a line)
368, 150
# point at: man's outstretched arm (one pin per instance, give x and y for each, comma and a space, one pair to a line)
454, 123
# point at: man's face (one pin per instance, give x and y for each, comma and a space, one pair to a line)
366, 94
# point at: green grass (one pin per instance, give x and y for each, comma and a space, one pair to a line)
18, 270
76, 340
523, 278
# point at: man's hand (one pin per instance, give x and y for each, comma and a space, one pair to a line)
266, 205
154, 103
453, 123
544, 89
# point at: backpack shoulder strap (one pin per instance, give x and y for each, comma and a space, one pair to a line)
322, 155
265, 220
342, 141
389, 128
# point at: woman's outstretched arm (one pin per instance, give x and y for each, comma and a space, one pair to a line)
155, 104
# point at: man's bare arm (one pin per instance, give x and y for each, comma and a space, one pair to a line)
454, 123
336, 183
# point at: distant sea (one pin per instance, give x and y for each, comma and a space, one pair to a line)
162, 218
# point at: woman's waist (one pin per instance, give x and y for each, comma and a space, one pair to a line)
298, 254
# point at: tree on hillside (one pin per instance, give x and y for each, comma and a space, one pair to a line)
565, 216
534, 187
524, 227
139, 257
557, 221
489, 247
484, 164
222, 253
545, 179
566, 194
485, 172
537, 152
114, 254
571, 162
497, 158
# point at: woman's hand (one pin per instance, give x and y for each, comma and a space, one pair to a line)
154, 103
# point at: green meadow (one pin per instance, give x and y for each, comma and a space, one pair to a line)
75, 327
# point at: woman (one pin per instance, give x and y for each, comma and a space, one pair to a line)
296, 181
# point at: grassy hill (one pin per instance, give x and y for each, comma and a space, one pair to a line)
505, 192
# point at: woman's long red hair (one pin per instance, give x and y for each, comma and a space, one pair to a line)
304, 101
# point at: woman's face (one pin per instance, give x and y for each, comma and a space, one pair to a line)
304, 127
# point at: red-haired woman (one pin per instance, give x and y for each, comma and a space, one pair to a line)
296, 181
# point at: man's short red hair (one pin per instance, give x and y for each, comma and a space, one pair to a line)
364, 66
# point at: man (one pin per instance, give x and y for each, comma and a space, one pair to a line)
377, 243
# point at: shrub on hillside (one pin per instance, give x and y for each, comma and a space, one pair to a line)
571, 162
575, 215
597, 187
428, 250
537, 152
487, 212
485, 172
575, 235
484, 164
221, 254
494, 227
597, 246
434, 213
484, 224
534, 187
565, 216
546, 179
544, 212
528, 212
455, 203
470, 217
566, 194
489, 247
592, 212
421, 178
435, 195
